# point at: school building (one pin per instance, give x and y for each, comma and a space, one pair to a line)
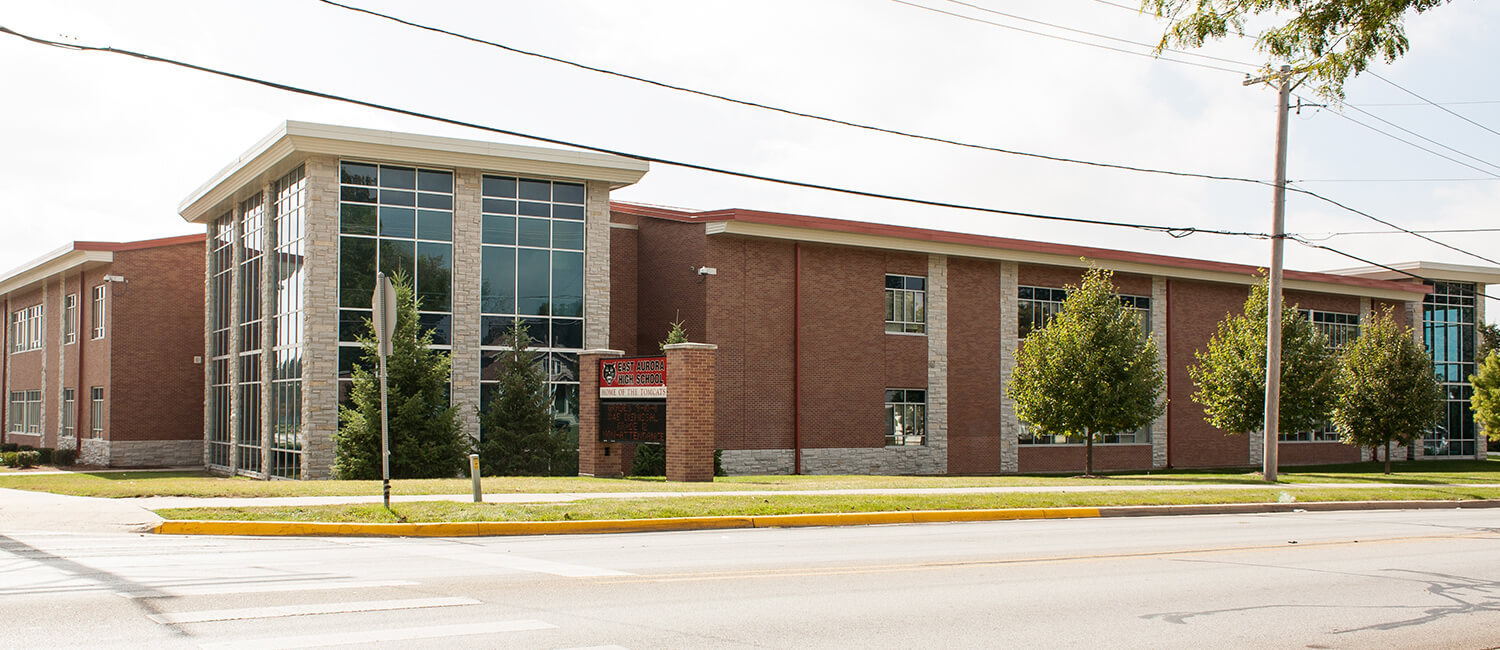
842, 346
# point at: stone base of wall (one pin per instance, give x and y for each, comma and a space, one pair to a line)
853, 460
154, 453
93, 451
67, 442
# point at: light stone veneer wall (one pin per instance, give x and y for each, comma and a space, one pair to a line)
1010, 333
1481, 441
1159, 431
467, 278
320, 318
596, 266
94, 451
154, 453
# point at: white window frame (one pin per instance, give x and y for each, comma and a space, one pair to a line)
97, 311
26, 329
905, 307
70, 319
901, 407
96, 412
69, 413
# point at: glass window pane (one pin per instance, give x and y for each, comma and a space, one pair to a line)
499, 230
490, 368
536, 328
440, 325
531, 209
404, 178
574, 212
432, 224
398, 222
499, 187
567, 284
349, 357
498, 281
357, 219
536, 190
567, 333
492, 330
498, 206
434, 276
567, 193
534, 232
356, 271
567, 235
361, 194
431, 181
435, 201
352, 323
357, 173
395, 257
916, 284
533, 273
398, 197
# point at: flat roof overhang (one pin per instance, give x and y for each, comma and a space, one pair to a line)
58, 261
1431, 270
291, 143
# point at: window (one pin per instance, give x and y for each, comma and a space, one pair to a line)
96, 412
1037, 306
221, 296
26, 329
70, 319
96, 312
26, 411
69, 413
287, 215
1448, 324
905, 304
1340, 328
1138, 437
905, 417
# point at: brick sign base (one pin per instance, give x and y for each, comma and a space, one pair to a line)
690, 416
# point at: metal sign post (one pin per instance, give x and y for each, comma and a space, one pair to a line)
383, 303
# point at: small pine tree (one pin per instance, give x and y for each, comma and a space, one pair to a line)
677, 334
1386, 388
517, 433
1090, 372
426, 438
1230, 375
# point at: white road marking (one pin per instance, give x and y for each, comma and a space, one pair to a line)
377, 636
499, 558
276, 611
259, 588
600, 647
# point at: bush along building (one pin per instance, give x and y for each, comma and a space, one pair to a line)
842, 346
103, 350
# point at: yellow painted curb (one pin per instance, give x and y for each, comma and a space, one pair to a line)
506, 528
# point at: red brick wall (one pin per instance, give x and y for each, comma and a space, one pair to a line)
623, 277
1321, 301
1057, 277
1315, 453
1071, 458
669, 289
157, 330
750, 317
1194, 310
974, 390
25, 368
690, 414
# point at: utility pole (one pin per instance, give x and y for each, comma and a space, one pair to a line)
1278, 239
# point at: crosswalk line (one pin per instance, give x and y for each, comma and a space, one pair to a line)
276, 611
258, 588
376, 636
474, 555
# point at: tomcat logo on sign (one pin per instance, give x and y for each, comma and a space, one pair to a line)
635, 377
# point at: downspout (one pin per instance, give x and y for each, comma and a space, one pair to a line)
797, 359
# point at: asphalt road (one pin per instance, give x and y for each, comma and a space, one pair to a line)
1338, 580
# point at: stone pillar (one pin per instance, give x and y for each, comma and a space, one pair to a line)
269, 272
320, 316
1010, 425
937, 362
466, 289
690, 411
1159, 431
600, 459
596, 267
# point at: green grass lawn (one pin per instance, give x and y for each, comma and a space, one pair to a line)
197, 484
698, 506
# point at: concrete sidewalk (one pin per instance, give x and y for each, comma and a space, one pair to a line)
26, 511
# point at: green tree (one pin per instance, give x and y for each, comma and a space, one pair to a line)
677, 334
1331, 39
1230, 375
1386, 387
1489, 339
1090, 372
517, 432
1486, 400
426, 439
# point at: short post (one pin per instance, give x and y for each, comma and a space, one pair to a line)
474, 473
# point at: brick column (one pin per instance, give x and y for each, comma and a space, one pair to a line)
690, 411
601, 459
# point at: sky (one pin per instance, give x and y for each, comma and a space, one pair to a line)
103, 147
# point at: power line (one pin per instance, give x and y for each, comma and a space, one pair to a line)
1063, 38
787, 111
1103, 36
1373, 263
1330, 235
1435, 104
1414, 133
1391, 180
1401, 228
1175, 231
1397, 138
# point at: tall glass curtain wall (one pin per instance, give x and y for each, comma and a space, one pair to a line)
1035, 308
532, 270
252, 224
1448, 319
397, 220
289, 214
221, 292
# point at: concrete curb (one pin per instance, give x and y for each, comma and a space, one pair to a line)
509, 528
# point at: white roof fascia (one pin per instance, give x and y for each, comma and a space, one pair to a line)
1430, 270
58, 261
304, 138
1032, 257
